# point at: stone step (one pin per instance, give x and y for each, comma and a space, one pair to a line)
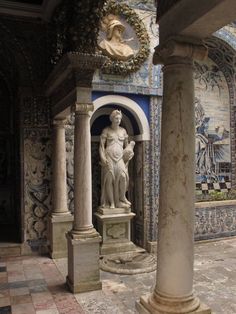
10, 249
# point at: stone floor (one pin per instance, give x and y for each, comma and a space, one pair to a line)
36, 285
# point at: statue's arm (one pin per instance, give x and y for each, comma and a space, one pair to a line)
102, 149
126, 140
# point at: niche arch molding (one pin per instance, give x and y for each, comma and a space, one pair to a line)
130, 105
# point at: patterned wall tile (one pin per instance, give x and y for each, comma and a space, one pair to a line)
215, 221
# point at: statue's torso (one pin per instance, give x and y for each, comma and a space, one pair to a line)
115, 142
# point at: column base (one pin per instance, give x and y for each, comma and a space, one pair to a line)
58, 226
148, 305
83, 262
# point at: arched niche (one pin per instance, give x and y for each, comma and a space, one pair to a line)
136, 123
131, 107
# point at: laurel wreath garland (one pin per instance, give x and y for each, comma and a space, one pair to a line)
132, 18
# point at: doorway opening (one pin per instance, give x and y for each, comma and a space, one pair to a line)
9, 174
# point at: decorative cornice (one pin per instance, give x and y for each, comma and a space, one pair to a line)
86, 61
179, 48
82, 108
82, 65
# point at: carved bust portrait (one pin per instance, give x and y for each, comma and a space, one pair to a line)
114, 45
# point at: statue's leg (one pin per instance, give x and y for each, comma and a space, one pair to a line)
109, 190
123, 189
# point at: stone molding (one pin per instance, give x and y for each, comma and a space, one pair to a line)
166, 304
178, 47
90, 233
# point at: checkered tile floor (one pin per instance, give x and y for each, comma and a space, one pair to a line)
210, 187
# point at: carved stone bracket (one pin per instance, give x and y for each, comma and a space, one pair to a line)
178, 47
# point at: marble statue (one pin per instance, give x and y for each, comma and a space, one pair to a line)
115, 153
114, 46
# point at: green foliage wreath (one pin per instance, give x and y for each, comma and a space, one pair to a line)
132, 18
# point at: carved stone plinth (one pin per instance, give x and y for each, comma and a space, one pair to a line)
58, 226
114, 227
83, 262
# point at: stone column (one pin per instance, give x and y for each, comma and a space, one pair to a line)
174, 283
60, 220
83, 239
83, 172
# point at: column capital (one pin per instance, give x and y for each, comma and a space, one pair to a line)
179, 49
82, 109
59, 123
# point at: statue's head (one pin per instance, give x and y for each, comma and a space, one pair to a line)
114, 114
112, 26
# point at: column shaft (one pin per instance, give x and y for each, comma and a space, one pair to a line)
82, 173
59, 195
176, 211
60, 220
83, 240
174, 283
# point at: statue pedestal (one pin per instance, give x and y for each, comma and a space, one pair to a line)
114, 227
